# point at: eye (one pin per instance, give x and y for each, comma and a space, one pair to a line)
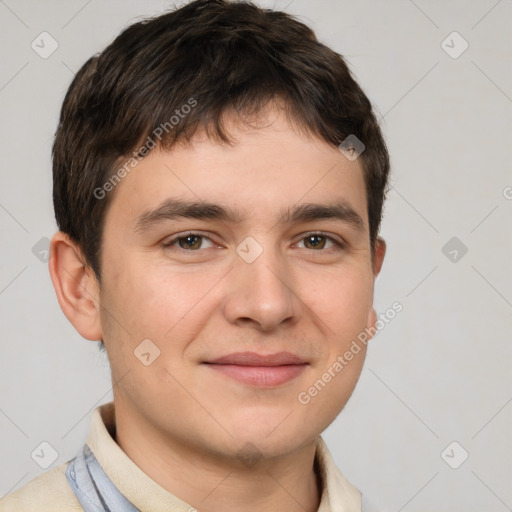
193, 242
320, 241
189, 242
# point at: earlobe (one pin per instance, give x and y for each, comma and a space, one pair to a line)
76, 286
371, 323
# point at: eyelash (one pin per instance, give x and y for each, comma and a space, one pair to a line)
338, 245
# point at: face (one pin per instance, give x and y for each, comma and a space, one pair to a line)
265, 268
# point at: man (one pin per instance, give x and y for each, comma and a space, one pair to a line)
219, 179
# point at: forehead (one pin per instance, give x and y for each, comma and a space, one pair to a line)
268, 171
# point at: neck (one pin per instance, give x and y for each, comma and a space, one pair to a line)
288, 483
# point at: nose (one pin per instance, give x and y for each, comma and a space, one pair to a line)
261, 293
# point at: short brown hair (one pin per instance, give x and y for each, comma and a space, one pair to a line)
219, 56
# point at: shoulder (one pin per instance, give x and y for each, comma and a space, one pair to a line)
47, 492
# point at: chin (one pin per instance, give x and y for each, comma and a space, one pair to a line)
280, 438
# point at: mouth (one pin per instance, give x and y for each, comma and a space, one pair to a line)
259, 370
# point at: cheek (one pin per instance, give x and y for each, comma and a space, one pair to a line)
157, 301
343, 300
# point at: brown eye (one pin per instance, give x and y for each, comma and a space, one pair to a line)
190, 242
315, 242
320, 242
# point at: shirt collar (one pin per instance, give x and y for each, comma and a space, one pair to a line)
338, 495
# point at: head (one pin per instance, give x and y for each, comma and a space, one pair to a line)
204, 204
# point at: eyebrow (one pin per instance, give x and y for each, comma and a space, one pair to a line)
172, 209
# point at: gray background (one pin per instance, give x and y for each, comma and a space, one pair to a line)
438, 373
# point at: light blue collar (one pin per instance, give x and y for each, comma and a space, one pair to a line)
92, 487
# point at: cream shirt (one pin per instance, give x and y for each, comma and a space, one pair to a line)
50, 491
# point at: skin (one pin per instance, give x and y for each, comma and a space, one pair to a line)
180, 421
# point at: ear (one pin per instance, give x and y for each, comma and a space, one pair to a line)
377, 261
378, 255
76, 286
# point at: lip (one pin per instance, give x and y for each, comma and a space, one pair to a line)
255, 359
258, 369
